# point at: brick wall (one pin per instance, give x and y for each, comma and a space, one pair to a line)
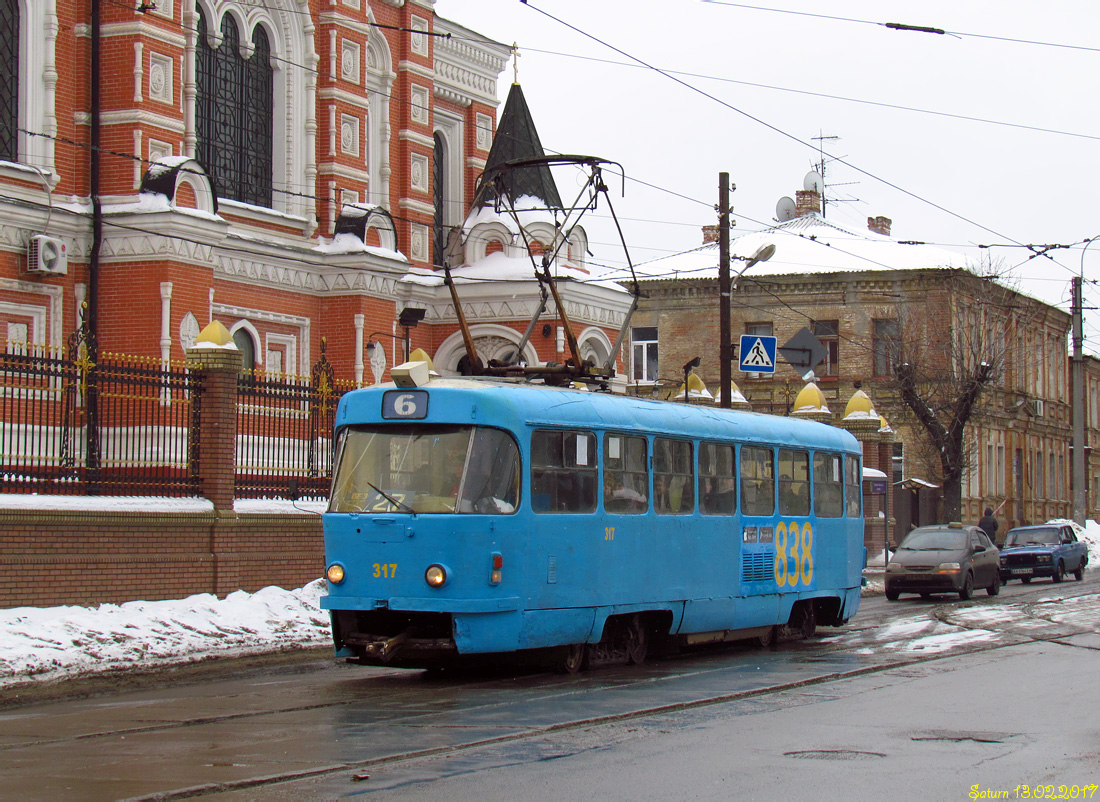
50, 557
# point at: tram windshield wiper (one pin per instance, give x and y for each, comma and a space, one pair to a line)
399, 505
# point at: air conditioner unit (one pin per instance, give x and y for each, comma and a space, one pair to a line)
47, 256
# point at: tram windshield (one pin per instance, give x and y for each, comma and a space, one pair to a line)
426, 469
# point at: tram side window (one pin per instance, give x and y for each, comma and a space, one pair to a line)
717, 480
794, 482
852, 487
828, 487
563, 471
490, 483
625, 474
757, 481
673, 477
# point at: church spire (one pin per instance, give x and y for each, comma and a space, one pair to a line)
517, 138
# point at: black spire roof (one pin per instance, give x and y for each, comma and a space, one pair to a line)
516, 138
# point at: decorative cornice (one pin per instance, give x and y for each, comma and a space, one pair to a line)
360, 101
145, 31
422, 70
415, 137
467, 66
411, 205
142, 118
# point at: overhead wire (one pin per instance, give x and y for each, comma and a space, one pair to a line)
770, 126
904, 27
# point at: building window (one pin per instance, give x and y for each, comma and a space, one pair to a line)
828, 331
439, 177
234, 113
645, 353
886, 346
9, 80
247, 347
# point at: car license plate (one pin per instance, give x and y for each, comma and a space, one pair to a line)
1021, 571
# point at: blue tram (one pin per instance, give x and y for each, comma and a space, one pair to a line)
470, 517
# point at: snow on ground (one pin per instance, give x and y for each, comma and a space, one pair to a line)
49, 644
46, 644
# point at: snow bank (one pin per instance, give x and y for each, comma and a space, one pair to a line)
45, 644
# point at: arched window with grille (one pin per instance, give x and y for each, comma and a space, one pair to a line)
234, 112
439, 197
9, 80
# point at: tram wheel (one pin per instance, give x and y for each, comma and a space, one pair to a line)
636, 641
767, 639
809, 620
574, 659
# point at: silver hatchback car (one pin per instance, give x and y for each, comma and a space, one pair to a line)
945, 558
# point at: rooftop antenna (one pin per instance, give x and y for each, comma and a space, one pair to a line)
820, 172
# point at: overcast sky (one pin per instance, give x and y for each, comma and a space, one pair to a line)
746, 90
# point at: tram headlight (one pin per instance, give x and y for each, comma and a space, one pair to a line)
436, 575
335, 573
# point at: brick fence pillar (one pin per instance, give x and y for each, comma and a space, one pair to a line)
217, 359
876, 439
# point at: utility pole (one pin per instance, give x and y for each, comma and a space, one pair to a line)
1078, 369
725, 355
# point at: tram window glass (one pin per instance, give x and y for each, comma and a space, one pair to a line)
563, 471
757, 481
426, 469
625, 474
852, 490
794, 482
673, 477
828, 486
717, 479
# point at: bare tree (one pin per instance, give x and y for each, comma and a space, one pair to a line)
951, 350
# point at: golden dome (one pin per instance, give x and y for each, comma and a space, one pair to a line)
810, 399
697, 388
420, 355
860, 406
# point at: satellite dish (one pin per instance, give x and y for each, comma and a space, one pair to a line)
784, 209
813, 182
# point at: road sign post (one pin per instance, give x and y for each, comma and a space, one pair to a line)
757, 353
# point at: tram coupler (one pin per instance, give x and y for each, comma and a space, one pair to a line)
386, 648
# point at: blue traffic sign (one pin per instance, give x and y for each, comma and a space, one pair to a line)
757, 353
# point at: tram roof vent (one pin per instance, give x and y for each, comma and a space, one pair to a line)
410, 374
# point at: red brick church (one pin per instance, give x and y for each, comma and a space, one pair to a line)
291, 169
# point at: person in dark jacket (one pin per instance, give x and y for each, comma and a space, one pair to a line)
989, 524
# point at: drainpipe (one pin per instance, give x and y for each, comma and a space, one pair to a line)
92, 313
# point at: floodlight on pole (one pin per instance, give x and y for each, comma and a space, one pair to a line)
687, 372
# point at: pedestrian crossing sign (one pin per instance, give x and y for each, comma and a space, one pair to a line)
757, 353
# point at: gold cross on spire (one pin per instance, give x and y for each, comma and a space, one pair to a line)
515, 62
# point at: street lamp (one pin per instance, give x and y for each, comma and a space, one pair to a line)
725, 347
408, 319
687, 371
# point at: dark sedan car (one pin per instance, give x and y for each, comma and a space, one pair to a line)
1046, 550
946, 558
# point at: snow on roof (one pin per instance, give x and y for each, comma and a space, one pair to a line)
500, 267
349, 243
528, 210
808, 244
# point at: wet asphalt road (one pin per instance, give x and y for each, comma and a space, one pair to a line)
695, 725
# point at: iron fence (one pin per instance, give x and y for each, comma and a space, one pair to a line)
73, 423
284, 432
